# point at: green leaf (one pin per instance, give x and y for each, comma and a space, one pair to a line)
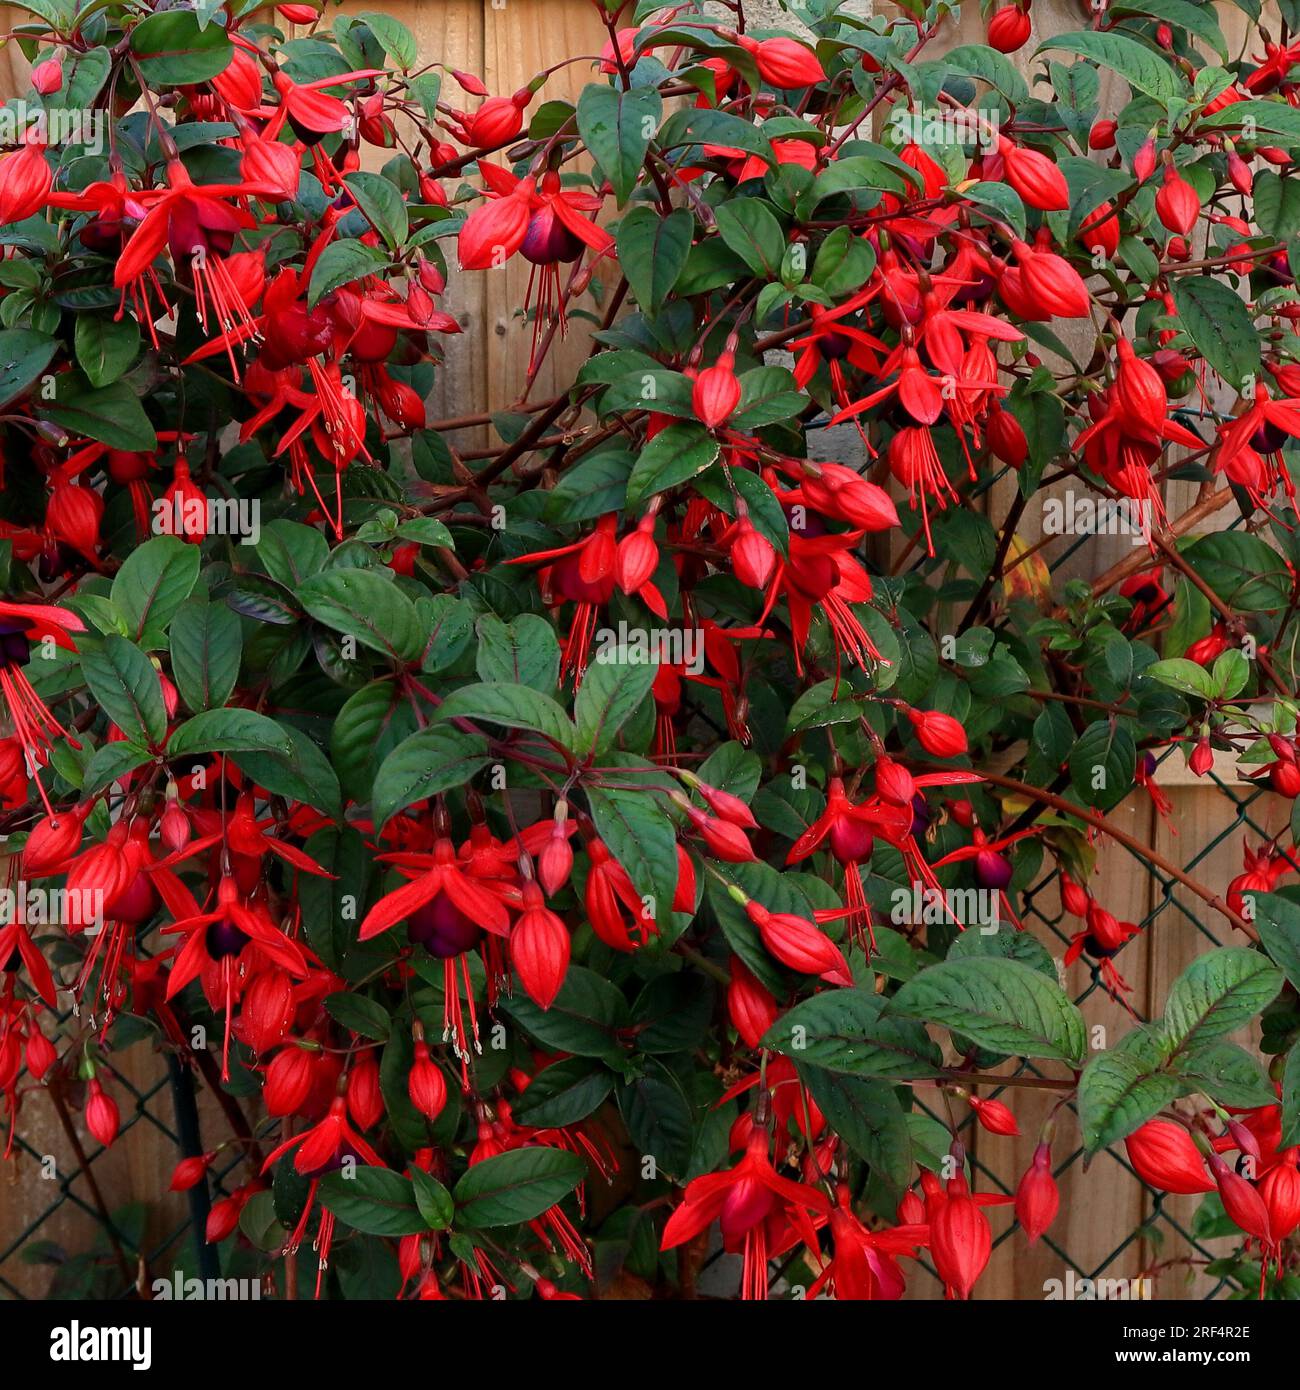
1196, 19
516, 1186
341, 263
380, 201
123, 680
673, 456
1102, 764
691, 126
1245, 572
867, 1116
617, 128
1220, 326
206, 647
431, 761
652, 252
173, 50
374, 1200
842, 1030
105, 347
979, 60
111, 414
1276, 204
153, 583
363, 604
1142, 69
229, 731
1001, 200
1291, 1100
659, 1122
999, 1004
303, 774
394, 37
1277, 920
1220, 991
514, 706
1121, 1089
616, 682
24, 356
750, 228
584, 1019
522, 652
110, 762
1187, 677
432, 1200
360, 1014
563, 1093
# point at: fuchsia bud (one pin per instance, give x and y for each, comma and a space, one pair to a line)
1037, 1198
960, 1239
939, 734
716, 392
994, 1116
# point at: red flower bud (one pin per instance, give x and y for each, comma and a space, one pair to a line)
1006, 436
1239, 174
1144, 161
1035, 177
1177, 205
223, 1218
638, 557
753, 557
1165, 1156
994, 1116
894, 783
723, 839
53, 841
297, 14
47, 77
798, 943
365, 1100
266, 1011
1102, 135
783, 62
497, 121
1009, 29
539, 948
1241, 1200
426, 1085
102, 1116
960, 1240
751, 1008
189, 1172
289, 1077
1050, 283
25, 181
555, 862
1280, 1189
716, 392
725, 804
39, 1053
939, 734
1037, 1198
1202, 759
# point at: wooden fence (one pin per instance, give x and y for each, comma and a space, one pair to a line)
506, 42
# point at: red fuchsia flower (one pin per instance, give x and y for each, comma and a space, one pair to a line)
783, 62
25, 180
36, 728
16, 945
322, 1149
610, 894
864, 1264
224, 946
1038, 1198
1280, 1189
961, 1240
1165, 1156
1241, 1200
742, 1201
539, 948
102, 1116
